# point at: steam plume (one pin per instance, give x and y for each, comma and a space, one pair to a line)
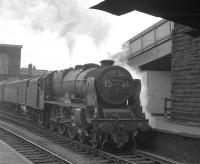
68, 18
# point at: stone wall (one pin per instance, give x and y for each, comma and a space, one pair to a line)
185, 69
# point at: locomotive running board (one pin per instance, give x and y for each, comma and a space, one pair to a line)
64, 104
122, 120
130, 124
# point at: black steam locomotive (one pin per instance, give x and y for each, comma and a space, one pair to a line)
95, 104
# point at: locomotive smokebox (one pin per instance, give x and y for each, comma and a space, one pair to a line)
106, 63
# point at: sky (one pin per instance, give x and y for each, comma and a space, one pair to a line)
57, 34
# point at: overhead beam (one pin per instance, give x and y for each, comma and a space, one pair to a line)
183, 12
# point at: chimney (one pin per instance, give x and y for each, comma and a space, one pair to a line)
106, 63
78, 67
30, 69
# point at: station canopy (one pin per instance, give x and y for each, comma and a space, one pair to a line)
181, 11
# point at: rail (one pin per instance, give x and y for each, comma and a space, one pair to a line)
34, 152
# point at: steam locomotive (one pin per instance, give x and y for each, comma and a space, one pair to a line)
91, 103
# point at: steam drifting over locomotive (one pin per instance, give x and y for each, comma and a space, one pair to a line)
96, 104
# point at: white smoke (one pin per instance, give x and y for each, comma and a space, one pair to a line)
42, 23
57, 34
120, 58
68, 18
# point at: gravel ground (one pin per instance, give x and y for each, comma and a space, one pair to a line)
65, 153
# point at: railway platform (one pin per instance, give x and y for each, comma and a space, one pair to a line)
181, 141
8, 155
164, 125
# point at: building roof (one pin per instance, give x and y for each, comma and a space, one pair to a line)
10, 46
183, 12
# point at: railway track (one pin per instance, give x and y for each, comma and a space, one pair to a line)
133, 157
30, 150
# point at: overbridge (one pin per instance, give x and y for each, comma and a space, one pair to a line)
151, 49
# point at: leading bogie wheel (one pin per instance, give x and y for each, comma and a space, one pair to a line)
61, 128
72, 132
52, 125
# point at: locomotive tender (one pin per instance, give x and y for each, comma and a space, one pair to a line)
96, 104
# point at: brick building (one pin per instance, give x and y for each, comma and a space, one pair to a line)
185, 69
10, 60
168, 54
32, 71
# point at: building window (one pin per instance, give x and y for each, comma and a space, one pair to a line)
3, 63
